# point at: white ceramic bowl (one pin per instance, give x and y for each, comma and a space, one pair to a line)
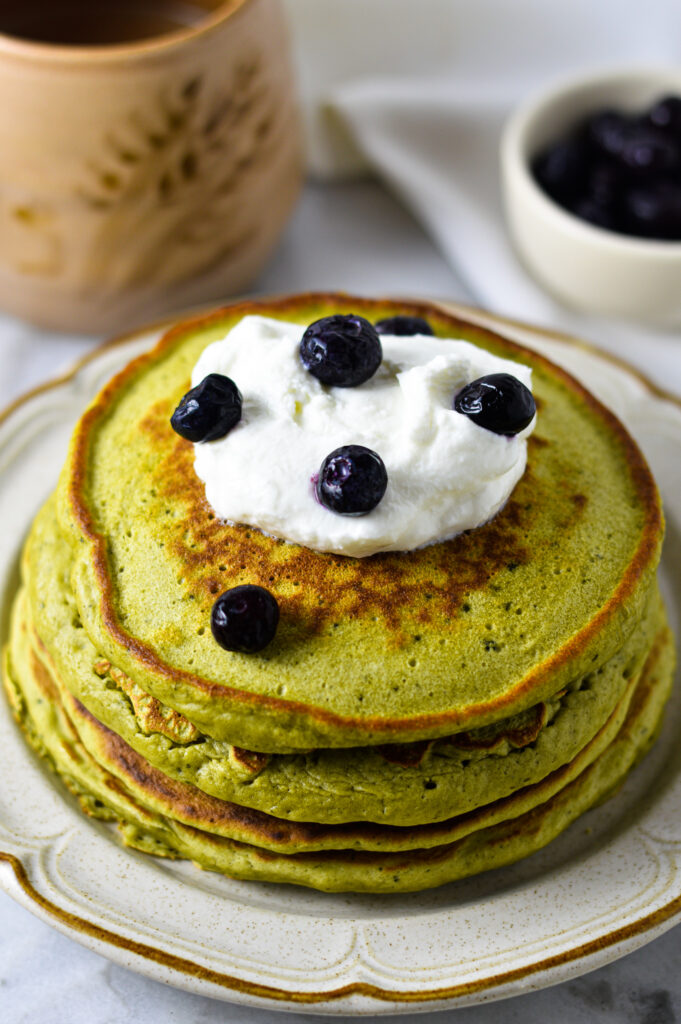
584, 266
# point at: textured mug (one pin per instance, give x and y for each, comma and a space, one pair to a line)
142, 177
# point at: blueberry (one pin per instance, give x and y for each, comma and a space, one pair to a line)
666, 114
605, 184
352, 480
608, 131
619, 171
498, 402
561, 169
595, 213
244, 619
341, 350
209, 410
654, 211
646, 151
403, 326
632, 141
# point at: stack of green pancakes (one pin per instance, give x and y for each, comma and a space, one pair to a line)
420, 716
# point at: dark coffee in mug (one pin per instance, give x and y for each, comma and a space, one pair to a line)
98, 22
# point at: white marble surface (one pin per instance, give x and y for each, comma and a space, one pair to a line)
353, 237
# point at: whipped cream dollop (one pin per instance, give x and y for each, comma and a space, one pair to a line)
446, 474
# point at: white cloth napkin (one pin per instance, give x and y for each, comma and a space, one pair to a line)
423, 99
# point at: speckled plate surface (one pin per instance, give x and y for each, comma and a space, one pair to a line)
610, 884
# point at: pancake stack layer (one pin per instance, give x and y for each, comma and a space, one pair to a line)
420, 716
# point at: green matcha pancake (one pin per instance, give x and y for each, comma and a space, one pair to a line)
388, 649
145, 824
411, 717
400, 784
190, 806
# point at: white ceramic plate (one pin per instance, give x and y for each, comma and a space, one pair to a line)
610, 884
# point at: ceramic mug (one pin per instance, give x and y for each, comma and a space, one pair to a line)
148, 175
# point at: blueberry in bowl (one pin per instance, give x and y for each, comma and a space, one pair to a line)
591, 186
619, 171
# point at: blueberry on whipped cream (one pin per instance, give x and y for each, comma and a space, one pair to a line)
403, 326
208, 411
245, 619
498, 402
341, 351
352, 480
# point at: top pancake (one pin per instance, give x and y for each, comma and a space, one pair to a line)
390, 648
